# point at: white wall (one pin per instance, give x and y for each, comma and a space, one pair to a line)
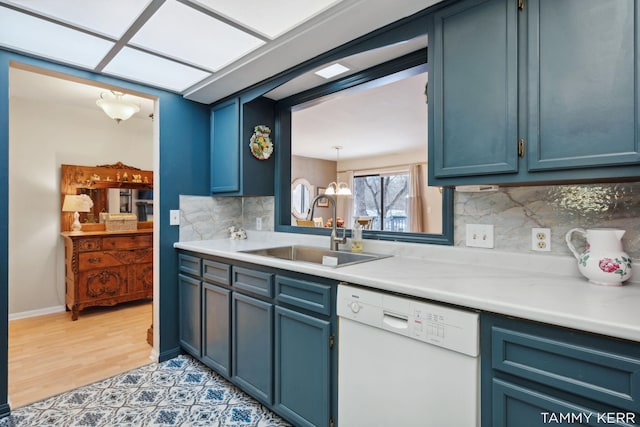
43, 136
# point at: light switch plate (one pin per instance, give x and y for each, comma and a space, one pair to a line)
480, 235
174, 217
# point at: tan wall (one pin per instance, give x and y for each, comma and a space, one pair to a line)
319, 173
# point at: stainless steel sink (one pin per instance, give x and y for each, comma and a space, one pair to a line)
315, 255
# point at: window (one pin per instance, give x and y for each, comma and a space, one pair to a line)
382, 199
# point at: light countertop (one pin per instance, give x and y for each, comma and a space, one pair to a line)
543, 288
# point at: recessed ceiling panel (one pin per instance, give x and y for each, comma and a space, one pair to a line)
42, 38
271, 18
107, 17
132, 64
181, 32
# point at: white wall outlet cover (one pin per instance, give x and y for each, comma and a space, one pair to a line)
174, 217
541, 239
480, 236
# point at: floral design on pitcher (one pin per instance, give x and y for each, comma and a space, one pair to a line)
616, 266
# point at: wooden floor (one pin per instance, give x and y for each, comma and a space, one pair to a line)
51, 354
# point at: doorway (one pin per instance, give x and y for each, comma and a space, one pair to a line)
53, 120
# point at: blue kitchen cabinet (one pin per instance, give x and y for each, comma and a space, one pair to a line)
270, 332
473, 76
252, 337
189, 314
545, 92
216, 316
234, 170
533, 373
303, 343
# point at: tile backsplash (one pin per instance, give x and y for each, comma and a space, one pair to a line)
513, 211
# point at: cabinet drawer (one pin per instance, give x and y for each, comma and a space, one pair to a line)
86, 245
301, 293
90, 260
127, 242
189, 264
257, 282
103, 283
216, 272
605, 376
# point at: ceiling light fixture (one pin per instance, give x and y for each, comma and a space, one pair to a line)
332, 71
113, 104
337, 188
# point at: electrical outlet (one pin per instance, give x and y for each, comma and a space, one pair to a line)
258, 223
541, 239
174, 217
480, 235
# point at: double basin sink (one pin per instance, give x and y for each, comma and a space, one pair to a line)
315, 255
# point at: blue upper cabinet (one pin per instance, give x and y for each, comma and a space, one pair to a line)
535, 91
235, 171
473, 74
582, 83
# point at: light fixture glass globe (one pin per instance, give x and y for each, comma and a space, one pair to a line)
113, 104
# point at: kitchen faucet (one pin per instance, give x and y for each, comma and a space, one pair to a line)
334, 241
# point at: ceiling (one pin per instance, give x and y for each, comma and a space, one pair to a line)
202, 49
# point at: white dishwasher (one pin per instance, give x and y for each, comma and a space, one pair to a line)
405, 362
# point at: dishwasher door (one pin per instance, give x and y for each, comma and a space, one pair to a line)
394, 367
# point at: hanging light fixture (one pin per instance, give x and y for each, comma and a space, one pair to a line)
337, 188
113, 104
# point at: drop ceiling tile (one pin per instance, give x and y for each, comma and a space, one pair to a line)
38, 37
107, 17
132, 64
183, 33
271, 18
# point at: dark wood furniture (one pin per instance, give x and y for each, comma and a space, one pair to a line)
107, 268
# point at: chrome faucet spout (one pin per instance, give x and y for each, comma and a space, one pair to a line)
335, 240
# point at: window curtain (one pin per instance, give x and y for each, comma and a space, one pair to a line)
416, 219
345, 203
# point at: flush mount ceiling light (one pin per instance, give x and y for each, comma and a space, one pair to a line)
113, 104
332, 71
337, 188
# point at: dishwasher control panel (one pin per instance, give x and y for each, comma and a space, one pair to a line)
431, 323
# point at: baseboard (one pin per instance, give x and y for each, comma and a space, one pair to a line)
169, 354
38, 312
5, 410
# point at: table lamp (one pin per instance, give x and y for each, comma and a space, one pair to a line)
77, 203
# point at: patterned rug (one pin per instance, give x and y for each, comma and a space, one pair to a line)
178, 392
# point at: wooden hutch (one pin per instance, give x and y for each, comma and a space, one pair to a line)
105, 268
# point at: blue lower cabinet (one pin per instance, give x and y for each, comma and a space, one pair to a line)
535, 374
302, 368
189, 314
252, 338
216, 328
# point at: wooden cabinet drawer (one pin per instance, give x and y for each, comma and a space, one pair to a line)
86, 245
216, 272
603, 370
127, 242
257, 282
89, 260
190, 264
301, 293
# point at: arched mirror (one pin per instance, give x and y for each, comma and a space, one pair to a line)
301, 194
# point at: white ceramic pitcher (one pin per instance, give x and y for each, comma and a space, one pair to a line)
603, 261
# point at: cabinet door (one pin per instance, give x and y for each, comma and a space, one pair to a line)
216, 321
189, 314
252, 344
515, 405
583, 83
225, 150
302, 371
473, 89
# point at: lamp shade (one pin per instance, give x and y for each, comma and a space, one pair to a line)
113, 104
77, 203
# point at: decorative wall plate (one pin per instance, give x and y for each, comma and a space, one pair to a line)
260, 142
